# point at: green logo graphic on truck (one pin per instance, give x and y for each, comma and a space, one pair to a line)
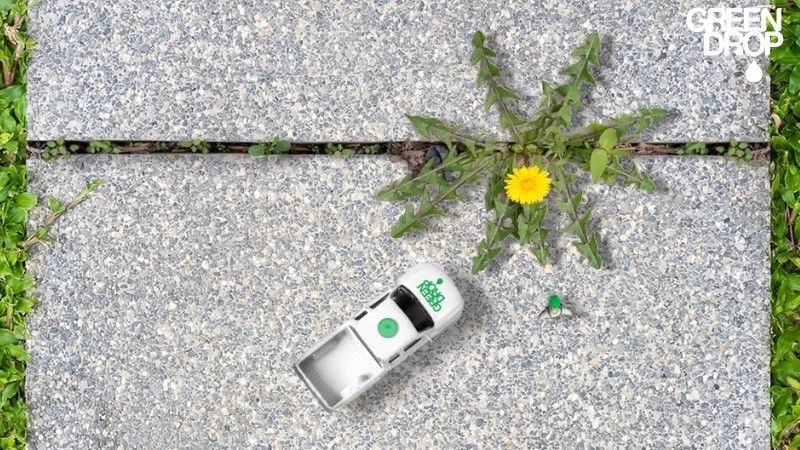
430, 291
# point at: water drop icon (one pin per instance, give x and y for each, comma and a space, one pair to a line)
754, 74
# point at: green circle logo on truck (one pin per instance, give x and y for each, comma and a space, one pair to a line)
387, 327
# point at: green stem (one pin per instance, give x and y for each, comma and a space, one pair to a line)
460, 159
443, 195
499, 222
505, 110
573, 212
540, 243
461, 181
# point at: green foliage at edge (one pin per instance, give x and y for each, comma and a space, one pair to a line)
15, 204
785, 168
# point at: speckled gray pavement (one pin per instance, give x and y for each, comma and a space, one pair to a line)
175, 300
348, 70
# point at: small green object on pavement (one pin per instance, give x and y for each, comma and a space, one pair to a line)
554, 301
555, 307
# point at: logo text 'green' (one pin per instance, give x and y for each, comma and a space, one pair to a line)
430, 291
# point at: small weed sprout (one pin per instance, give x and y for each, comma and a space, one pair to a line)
195, 146
54, 149
521, 174
372, 149
159, 147
101, 147
276, 147
694, 148
338, 150
738, 150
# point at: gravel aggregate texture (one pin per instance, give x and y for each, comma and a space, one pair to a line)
176, 299
350, 70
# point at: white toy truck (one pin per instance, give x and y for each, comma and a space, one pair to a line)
360, 352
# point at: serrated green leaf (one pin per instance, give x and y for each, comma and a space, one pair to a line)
504, 92
25, 200
421, 124
478, 38
590, 252
444, 136
647, 184
564, 207
577, 199
483, 75
12, 93
542, 254
565, 114
491, 98
406, 223
55, 205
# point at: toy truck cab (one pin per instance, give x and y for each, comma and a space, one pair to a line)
356, 355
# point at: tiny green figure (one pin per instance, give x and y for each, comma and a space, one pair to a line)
555, 307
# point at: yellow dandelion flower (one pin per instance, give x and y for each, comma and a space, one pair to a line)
527, 185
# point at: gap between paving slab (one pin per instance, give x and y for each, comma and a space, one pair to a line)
175, 300
348, 70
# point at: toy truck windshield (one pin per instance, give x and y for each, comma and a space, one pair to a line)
412, 308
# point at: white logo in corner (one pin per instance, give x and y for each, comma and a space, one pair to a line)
750, 32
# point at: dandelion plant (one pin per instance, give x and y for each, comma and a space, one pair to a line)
521, 173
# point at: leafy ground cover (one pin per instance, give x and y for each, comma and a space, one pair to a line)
15, 203
785, 140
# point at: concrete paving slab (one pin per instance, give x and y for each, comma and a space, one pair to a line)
176, 299
348, 70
